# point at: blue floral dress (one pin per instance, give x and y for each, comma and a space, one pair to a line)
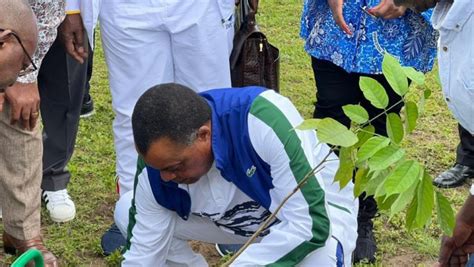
410, 38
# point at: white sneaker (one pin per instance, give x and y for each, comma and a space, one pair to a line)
59, 204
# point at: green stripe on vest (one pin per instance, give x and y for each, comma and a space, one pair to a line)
133, 211
312, 192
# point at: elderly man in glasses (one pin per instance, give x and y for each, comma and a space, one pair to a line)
20, 135
15, 51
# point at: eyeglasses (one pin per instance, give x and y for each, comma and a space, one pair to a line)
24, 51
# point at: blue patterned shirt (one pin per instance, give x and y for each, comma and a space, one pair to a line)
410, 38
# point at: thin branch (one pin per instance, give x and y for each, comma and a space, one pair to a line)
380, 114
273, 214
374, 133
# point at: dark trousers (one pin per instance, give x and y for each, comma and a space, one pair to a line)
465, 151
90, 66
61, 83
336, 88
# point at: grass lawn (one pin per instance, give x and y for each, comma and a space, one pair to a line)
92, 186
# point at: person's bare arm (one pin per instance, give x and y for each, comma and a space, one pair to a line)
454, 250
336, 9
418, 5
24, 101
71, 32
23, 96
387, 9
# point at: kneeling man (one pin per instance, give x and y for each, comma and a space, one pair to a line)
213, 166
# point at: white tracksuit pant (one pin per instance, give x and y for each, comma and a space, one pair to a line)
148, 42
203, 229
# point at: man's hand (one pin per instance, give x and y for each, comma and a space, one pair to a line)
454, 250
24, 101
418, 5
71, 32
388, 10
336, 8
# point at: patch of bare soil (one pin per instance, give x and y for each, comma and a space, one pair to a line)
408, 258
208, 251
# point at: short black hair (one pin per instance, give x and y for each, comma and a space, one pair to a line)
168, 110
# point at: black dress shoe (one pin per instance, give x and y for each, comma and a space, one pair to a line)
454, 177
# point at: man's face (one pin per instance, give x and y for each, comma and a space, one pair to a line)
180, 163
12, 58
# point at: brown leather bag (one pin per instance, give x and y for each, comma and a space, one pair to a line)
253, 61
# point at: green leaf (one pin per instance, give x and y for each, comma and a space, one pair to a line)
394, 127
411, 214
356, 113
404, 176
369, 148
346, 167
395, 75
373, 185
384, 203
360, 181
374, 92
403, 200
380, 180
417, 77
425, 196
422, 101
385, 157
364, 134
332, 132
445, 214
309, 124
427, 93
411, 113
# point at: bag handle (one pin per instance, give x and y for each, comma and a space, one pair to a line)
248, 26
248, 10
253, 4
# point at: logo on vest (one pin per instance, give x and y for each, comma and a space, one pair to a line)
251, 171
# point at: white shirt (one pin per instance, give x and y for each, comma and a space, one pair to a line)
90, 10
455, 23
